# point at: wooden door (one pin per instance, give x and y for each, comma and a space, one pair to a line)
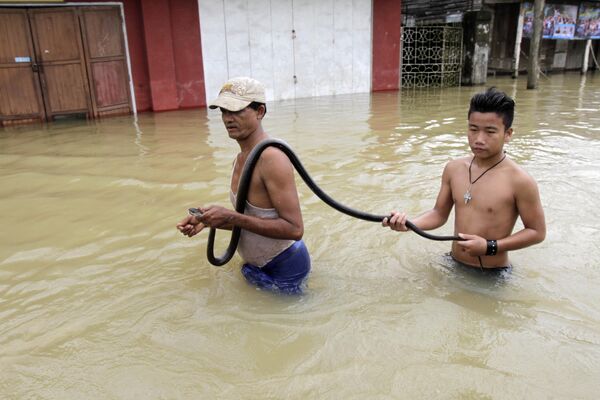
20, 93
106, 60
59, 53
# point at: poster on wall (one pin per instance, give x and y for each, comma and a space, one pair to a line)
559, 21
527, 11
588, 23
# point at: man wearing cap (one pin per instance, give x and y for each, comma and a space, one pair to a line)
275, 257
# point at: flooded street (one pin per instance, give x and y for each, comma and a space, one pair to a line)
102, 298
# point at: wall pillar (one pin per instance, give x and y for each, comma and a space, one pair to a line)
159, 54
387, 19
477, 34
586, 56
518, 39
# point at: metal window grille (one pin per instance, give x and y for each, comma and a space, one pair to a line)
431, 56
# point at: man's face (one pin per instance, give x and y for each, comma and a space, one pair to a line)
241, 124
487, 134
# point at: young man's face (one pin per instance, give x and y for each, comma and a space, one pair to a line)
487, 134
241, 124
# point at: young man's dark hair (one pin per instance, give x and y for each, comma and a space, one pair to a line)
493, 100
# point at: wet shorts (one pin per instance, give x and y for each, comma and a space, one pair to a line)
473, 268
287, 272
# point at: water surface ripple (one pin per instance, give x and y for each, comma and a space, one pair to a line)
100, 297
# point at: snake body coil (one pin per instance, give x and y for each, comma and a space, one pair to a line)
242, 196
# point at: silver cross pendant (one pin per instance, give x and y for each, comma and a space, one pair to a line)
467, 197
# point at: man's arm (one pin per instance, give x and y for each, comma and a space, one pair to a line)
433, 218
277, 175
438, 215
531, 212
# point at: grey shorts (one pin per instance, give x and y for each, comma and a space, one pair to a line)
450, 260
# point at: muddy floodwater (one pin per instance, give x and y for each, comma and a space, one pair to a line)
101, 297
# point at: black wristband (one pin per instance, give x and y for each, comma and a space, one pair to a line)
492, 248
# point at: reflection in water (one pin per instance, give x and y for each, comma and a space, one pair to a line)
100, 297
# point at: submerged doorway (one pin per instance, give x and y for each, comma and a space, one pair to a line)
62, 61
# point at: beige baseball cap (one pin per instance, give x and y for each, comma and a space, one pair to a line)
237, 93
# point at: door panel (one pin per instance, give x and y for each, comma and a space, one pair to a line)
103, 32
14, 31
106, 60
23, 102
65, 88
20, 93
108, 83
58, 47
57, 32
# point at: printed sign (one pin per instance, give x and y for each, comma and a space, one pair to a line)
527, 11
559, 21
22, 59
588, 22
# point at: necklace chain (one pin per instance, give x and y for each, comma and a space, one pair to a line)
467, 195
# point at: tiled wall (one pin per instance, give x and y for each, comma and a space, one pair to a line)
325, 44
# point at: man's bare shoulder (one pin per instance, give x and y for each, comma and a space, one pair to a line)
273, 161
459, 161
273, 154
519, 175
456, 165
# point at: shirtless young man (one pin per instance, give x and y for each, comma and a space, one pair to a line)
274, 255
488, 189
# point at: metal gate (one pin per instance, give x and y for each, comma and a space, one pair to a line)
431, 56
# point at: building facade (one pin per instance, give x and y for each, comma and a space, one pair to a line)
104, 57
492, 34
112, 57
558, 52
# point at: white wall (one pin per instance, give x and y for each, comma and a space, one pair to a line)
329, 53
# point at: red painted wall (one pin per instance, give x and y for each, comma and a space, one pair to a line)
387, 18
160, 57
137, 54
187, 51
